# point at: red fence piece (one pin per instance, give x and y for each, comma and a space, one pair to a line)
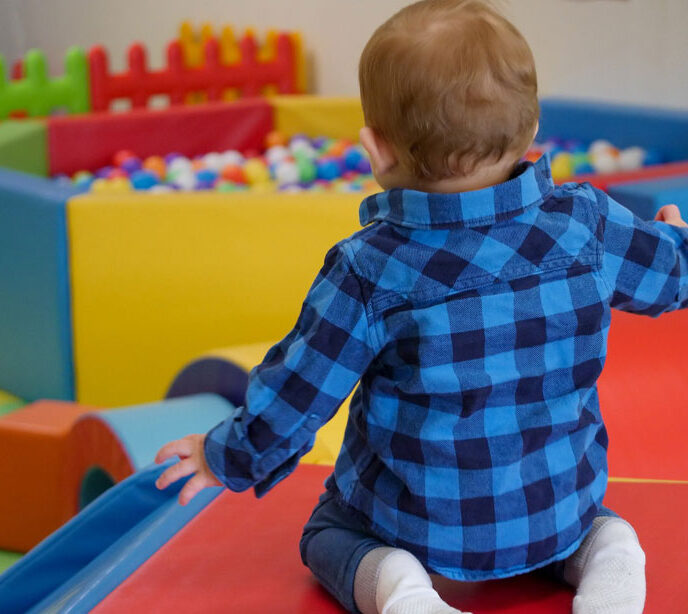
248, 76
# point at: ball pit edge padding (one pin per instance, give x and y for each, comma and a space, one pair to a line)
645, 198
219, 271
35, 327
23, 146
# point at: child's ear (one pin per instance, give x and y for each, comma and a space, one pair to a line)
382, 156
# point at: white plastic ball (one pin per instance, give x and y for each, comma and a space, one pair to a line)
214, 161
186, 180
302, 146
277, 153
287, 172
180, 163
599, 146
160, 189
632, 158
604, 162
232, 158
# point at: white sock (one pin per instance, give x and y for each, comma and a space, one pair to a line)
608, 570
392, 581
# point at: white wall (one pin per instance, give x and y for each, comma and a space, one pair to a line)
625, 50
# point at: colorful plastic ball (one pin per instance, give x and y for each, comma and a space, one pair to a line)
99, 185
364, 167
180, 163
276, 154
229, 186
604, 161
256, 171
233, 157
144, 180
233, 173
562, 166
207, 176
171, 156
352, 157
599, 146
632, 158
62, 179
117, 173
161, 188
328, 169
155, 164
130, 165
338, 148
185, 180
214, 161
307, 169
275, 138
121, 156
119, 185
287, 172
102, 173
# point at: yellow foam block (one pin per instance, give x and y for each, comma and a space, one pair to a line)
339, 118
159, 279
329, 438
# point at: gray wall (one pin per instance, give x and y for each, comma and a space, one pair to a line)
623, 50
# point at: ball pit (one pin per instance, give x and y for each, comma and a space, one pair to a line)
288, 165
570, 158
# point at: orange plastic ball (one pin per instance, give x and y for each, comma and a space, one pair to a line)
338, 148
234, 173
155, 164
275, 138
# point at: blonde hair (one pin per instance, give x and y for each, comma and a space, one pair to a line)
449, 84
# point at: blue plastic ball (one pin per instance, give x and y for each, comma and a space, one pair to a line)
328, 169
206, 175
352, 158
143, 180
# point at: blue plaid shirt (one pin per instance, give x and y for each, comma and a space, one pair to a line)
477, 325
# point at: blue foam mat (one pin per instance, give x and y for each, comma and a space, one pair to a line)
144, 429
645, 198
663, 130
85, 560
35, 327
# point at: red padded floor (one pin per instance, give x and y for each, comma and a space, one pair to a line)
241, 555
644, 396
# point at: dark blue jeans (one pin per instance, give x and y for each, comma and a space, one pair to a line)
334, 542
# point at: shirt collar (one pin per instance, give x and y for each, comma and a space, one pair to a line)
531, 184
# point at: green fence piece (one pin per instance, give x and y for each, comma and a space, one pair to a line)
24, 146
38, 94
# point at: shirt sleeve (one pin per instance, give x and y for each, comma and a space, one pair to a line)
299, 385
644, 263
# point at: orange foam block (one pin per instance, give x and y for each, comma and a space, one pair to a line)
37, 472
240, 554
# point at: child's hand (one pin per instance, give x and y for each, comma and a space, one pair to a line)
671, 215
190, 450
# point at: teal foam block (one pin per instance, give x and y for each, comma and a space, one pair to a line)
662, 130
35, 311
144, 429
645, 198
85, 560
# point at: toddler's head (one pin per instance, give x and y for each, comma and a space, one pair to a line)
448, 90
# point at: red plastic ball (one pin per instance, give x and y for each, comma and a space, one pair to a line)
121, 156
117, 172
234, 173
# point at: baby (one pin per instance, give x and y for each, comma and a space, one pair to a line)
474, 308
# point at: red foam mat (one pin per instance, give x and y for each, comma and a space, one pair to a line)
241, 555
89, 141
644, 396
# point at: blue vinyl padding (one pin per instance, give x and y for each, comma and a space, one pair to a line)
645, 198
35, 307
144, 429
662, 130
86, 559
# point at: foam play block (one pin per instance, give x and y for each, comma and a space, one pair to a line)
191, 130
23, 146
35, 327
240, 554
606, 180
225, 372
644, 396
340, 118
645, 198
200, 270
35, 472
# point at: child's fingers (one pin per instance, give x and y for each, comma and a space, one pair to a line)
180, 447
670, 214
176, 472
195, 485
